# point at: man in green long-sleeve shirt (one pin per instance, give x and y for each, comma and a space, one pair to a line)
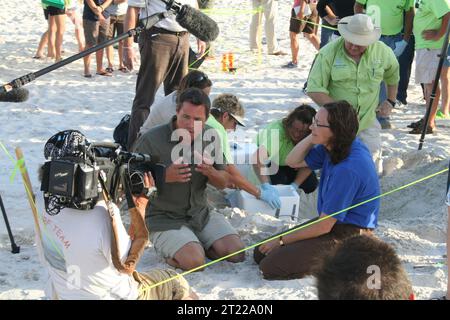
351, 68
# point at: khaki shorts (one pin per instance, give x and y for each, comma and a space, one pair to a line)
176, 289
167, 243
427, 61
94, 32
115, 25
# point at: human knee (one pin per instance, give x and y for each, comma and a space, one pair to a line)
230, 245
190, 256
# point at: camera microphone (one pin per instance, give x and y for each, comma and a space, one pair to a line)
14, 95
194, 21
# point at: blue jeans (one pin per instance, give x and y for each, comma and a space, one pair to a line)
405, 62
325, 36
390, 42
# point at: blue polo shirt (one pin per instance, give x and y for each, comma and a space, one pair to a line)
347, 183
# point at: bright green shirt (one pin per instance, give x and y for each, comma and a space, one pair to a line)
337, 75
387, 14
213, 123
429, 17
277, 153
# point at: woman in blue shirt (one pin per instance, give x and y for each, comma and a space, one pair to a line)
348, 178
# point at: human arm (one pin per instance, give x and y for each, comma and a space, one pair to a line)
260, 158
385, 108
314, 230
391, 77
400, 46
296, 158
319, 80
239, 182
129, 56
409, 18
326, 13
435, 35
267, 192
320, 98
141, 202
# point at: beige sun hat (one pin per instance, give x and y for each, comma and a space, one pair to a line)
359, 30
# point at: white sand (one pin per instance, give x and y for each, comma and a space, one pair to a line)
413, 220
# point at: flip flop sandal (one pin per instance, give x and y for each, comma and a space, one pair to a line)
110, 70
87, 75
418, 130
123, 69
104, 73
416, 124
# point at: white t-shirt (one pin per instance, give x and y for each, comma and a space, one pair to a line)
160, 112
77, 253
156, 6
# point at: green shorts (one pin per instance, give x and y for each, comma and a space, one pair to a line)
167, 243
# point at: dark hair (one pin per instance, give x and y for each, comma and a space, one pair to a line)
345, 273
304, 113
196, 97
195, 79
343, 122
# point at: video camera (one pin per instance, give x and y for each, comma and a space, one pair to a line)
75, 181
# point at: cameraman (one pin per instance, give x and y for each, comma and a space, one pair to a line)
182, 227
77, 252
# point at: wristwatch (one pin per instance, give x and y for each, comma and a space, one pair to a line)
391, 102
281, 241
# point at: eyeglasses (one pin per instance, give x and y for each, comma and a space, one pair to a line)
314, 123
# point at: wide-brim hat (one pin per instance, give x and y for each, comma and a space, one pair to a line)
359, 30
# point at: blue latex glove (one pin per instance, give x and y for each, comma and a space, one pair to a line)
400, 46
270, 195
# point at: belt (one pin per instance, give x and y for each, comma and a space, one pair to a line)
154, 30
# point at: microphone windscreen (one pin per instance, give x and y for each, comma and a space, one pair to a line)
15, 95
198, 23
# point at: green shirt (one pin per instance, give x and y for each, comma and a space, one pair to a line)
429, 17
177, 204
213, 123
337, 75
275, 139
390, 13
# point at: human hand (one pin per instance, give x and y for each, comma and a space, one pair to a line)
270, 195
431, 35
400, 46
201, 48
103, 22
178, 172
129, 57
205, 165
268, 247
384, 110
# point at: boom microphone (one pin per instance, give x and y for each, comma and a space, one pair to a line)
14, 95
194, 21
